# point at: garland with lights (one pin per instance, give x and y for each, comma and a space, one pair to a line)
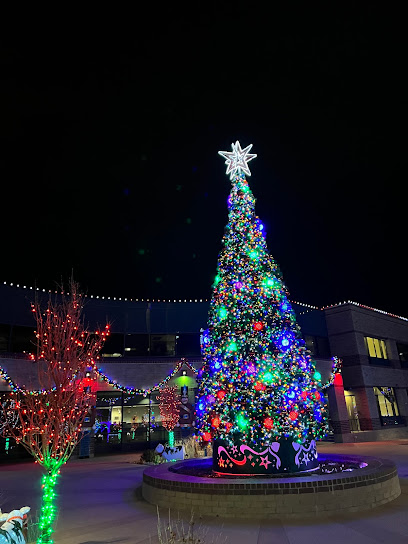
259, 396
99, 373
146, 392
335, 373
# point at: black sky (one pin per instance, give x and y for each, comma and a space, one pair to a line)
109, 140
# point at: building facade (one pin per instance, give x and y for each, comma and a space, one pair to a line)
373, 346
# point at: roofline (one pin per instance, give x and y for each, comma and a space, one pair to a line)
365, 307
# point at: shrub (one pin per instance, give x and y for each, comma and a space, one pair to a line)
150, 456
178, 532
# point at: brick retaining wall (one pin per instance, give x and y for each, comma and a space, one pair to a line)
354, 491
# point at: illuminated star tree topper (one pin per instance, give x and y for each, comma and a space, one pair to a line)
237, 160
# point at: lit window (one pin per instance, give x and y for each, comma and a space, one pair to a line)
376, 348
387, 403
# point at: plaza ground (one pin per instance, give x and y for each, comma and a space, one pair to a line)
100, 502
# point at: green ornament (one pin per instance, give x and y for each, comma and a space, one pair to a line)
267, 377
223, 313
242, 422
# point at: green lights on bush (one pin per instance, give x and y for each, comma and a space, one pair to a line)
171, 439
48, 508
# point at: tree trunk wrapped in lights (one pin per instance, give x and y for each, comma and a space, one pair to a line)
259, 397
169, 405
50, 420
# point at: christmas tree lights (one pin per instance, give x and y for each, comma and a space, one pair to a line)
49, 422
169, 405
259, 388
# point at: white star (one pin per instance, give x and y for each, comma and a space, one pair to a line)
237, 159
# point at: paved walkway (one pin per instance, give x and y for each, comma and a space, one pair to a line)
100, 503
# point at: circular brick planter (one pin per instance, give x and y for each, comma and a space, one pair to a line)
286, 497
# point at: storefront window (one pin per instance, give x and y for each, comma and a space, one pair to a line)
127, 419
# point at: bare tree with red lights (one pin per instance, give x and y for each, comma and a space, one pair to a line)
50, 421
169, 405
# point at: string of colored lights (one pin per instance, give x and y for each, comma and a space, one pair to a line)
15, 388
147, 391
336, 370
135, 391
129, 390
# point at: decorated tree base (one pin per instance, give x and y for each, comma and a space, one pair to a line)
283, 456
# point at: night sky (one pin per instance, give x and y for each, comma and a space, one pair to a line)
109, 141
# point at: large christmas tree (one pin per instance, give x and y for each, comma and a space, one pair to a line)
259, 398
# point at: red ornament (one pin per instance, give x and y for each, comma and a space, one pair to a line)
228, 426
293, 415
259, 386
304, 395
317, 395
258, 326
216, 422
268, 422
207, 437
221, 394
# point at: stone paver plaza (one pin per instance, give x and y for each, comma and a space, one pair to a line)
100, 502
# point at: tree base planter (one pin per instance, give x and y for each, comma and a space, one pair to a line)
279, 457
364, 484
